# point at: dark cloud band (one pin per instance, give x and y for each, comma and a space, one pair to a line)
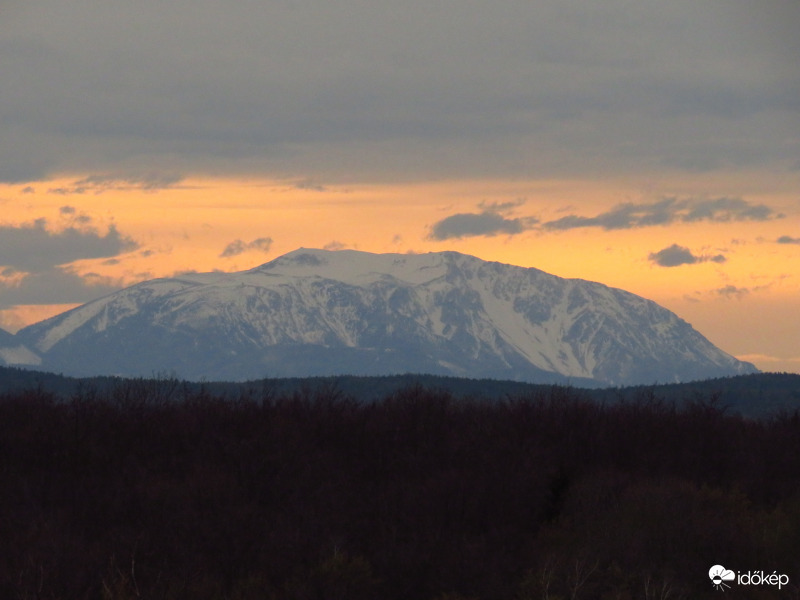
42, 256
32, 247
56, 285
534, 85
668, 211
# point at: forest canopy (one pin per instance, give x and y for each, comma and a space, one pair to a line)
151, 490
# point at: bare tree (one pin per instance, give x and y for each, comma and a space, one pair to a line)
580, 573
661, 589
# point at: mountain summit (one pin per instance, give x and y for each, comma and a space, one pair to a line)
317, 312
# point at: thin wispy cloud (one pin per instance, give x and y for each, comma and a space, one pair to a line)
767, 358
501, 207
732, 291
739, 292
786, 239
311, 185
98, 184
334, 245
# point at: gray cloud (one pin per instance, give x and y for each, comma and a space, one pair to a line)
725, 209
474, 224
334, 245
501, 207
731, 291
308, 184
35, 262
71, 215
33, 248
667, 211
785, 239
56, 285
409, 90
675, 256
237, 247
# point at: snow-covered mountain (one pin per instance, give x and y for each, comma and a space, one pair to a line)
316, 312
12, 352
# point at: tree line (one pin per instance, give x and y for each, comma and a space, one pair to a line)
153, 490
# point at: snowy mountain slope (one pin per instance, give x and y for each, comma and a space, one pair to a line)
315, 312
14, 353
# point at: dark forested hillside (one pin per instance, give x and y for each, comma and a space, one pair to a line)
158, 491
756, 396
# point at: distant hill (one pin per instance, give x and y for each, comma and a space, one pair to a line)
754, 396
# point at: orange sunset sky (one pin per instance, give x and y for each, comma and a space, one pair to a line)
651, 148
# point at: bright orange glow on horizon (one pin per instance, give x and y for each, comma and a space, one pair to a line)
189, 226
